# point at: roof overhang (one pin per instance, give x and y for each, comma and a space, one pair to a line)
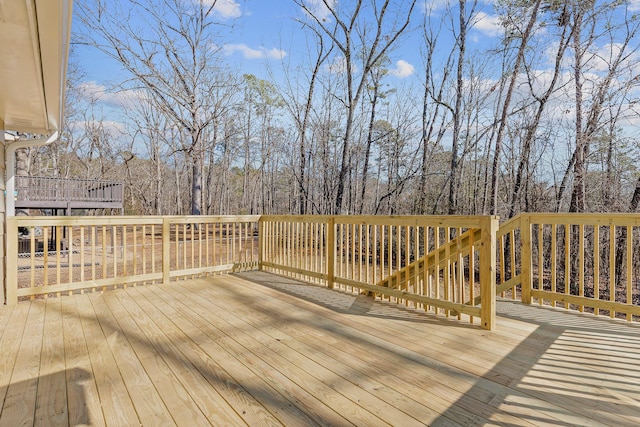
34, 49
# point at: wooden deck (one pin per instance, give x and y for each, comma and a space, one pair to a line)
259, 349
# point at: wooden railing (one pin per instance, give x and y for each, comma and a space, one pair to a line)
582, 262
63, 255
448, 265
439, 264
33, 190
509, 266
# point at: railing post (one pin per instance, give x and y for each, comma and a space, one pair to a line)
331, 251
488, 272
3, 253
525, 257
260, 242
166, 250
12, 261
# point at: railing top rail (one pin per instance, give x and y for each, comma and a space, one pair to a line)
189, 219
128, 220
59, 179
417, 220
572, 218
296, 218
509, 225
38, 221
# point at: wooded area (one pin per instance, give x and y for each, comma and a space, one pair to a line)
544, 120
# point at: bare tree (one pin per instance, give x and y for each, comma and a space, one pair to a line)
170, 53
524, 37
352, 36
541, 101
298, 99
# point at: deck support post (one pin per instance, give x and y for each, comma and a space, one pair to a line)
525, 253
488, 272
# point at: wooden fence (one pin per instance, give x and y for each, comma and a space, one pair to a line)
448, 265
439, 264
583, 262
61, 255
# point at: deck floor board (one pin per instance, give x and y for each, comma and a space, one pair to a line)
259, 349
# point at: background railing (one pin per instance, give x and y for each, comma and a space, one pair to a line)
61, 255
439, 264
43, 189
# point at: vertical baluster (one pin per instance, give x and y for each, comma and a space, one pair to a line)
153, 248
45, 248
512, 260
436, 284
501, 256
417, 282
125, 271
398, 232
390, 255
472, 269
567, 261
200, 226
192, 244
144, 250
93, 252
447, 271
70, 255
581, 264
134, 242
104, 253
629, 269
114, 251
554, 254
375, 255
82, 260
612, 267
426, 285
407, 246
460, 296
207, 252
352, 263
32, 260
540, 260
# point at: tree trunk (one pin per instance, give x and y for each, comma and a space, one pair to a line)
507, 104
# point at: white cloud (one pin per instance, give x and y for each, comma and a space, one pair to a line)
605, 55
225, 8
403, 69
97, 92
250, 53
109, 127
319, 9
430, 7
489, 25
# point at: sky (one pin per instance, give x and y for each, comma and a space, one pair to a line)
264, 34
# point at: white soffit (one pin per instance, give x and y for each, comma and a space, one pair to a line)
34, 48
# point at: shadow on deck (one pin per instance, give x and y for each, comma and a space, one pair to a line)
258, 349
586, 368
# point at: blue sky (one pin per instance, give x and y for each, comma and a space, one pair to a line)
265, 33
259, 36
